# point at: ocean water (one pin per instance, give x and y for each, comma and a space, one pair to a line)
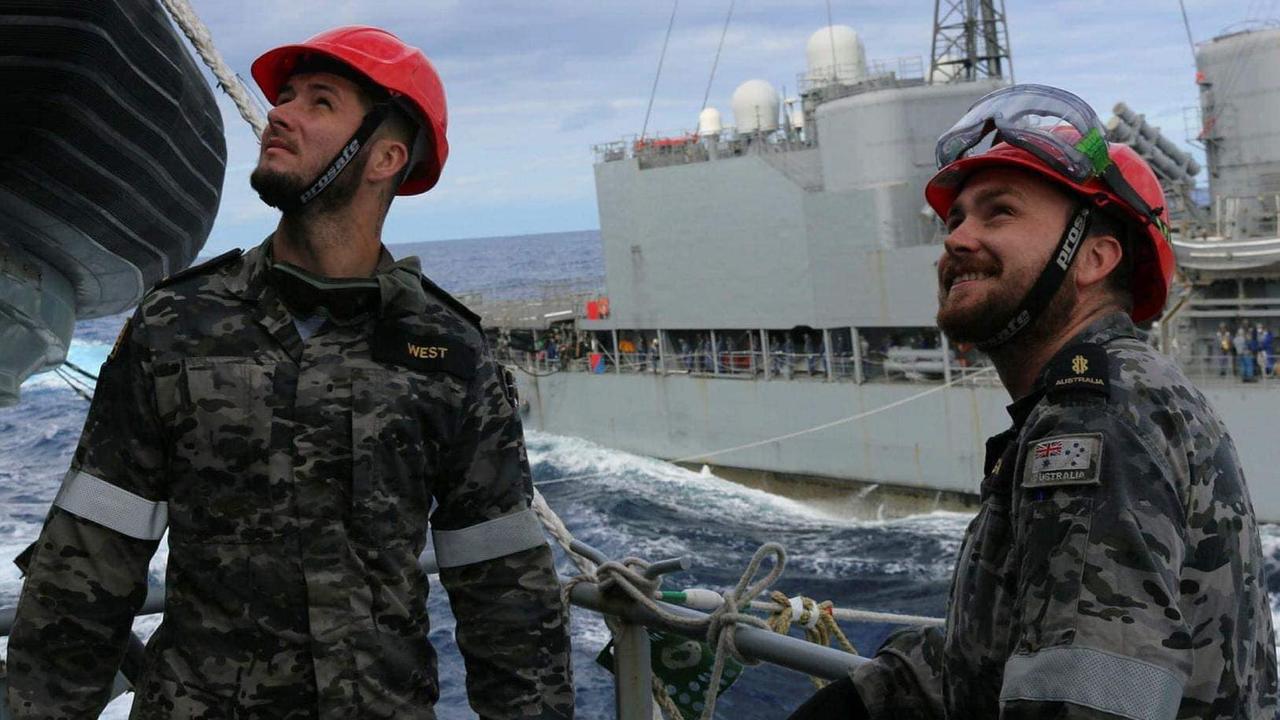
620, 503
510, 268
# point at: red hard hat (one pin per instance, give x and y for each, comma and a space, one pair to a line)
400, 69
1153, 259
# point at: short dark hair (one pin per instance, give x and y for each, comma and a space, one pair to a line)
1120, 280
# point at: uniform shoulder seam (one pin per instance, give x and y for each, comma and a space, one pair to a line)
435, 291
202, 268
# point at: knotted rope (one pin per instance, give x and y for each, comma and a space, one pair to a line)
628, 577
817, 618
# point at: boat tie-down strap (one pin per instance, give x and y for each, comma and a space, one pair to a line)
1094, 679
97, 500
487, 540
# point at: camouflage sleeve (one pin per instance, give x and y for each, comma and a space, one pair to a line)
85, 581
512, 625
904, 679
1100, 531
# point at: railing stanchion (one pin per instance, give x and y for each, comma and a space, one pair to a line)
617, 354
662, 351
764, 352
633, 673
826, 349
946, 358
715, 355
858, 377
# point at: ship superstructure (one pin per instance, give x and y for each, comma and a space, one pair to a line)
770, 285
1230, 258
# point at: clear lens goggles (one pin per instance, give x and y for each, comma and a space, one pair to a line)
1052, 124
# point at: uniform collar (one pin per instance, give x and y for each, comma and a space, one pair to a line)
399, 280
1104, 329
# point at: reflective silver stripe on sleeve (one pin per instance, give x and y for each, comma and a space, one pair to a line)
487, 540
1094, 679
97, 500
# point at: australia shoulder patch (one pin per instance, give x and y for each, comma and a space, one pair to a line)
1080, 367
1064, 460
424, 353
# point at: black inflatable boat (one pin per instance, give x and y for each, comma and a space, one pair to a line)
111, 164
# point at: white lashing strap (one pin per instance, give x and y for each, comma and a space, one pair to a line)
97, 500
797, 610
487, 540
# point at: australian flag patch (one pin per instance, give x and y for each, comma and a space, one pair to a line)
1064, 460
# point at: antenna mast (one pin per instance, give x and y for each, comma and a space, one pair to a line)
970, 41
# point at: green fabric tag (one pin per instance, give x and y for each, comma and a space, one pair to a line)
1094, 147
684, 667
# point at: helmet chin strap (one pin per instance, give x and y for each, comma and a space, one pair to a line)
372, 121
1038, 297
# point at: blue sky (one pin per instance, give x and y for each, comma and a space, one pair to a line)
532, 85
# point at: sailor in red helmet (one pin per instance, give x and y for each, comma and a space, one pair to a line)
293, 417
1114, 568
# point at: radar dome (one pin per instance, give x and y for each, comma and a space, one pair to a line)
835, 54
755, 107
709, 123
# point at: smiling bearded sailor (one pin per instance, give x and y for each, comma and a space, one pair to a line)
1114, 568
291, 415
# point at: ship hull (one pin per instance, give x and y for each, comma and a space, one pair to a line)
914, 437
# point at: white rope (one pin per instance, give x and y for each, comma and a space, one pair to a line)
727, 610
196, 31
588, 570
855, 615
798, 433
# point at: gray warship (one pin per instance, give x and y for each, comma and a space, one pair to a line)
769, 303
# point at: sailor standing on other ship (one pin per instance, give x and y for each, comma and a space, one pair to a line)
291, 415
1114, 568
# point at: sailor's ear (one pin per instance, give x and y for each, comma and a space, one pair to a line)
1099, 256
388, 157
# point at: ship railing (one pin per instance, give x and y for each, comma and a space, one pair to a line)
1250, 367
633, 671
1246, 216
844, 79
557, 305
898, 366
683, 148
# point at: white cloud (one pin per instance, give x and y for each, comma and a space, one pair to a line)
533, 86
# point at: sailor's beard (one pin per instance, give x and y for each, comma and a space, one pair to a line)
976, 321
281, 190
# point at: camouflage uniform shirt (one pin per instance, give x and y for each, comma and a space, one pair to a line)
297, 476
1114, 568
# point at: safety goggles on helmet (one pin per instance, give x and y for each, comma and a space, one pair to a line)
1055, 126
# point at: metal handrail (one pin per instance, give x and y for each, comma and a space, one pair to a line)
754, 643
633, 673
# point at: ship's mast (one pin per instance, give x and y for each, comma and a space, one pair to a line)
970, 41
